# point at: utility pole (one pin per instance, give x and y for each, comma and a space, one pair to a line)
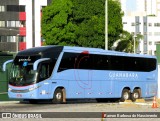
134, 43
17, 43
106, 24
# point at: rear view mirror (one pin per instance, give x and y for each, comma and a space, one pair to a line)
5, 63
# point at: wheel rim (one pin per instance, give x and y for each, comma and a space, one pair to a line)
136, 95
125, 95
58, 96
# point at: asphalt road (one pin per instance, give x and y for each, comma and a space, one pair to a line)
81, 110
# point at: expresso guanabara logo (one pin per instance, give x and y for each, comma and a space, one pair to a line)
123, 75
24, 59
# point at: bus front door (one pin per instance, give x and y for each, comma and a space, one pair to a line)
44, 83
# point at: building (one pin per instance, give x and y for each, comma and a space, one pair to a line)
20, 24
143, 18
149, 27
140, 7
158, 7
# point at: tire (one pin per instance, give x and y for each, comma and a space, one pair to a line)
125, 95
135, 95
58, 96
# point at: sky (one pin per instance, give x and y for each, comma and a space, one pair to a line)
131, 5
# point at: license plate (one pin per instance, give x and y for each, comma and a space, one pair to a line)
19, 95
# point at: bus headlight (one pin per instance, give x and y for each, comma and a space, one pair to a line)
33, 88
9, 89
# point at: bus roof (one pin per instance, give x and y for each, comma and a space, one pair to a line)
47, 50
102, 51
40, 50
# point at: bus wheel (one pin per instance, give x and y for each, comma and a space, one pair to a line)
125, 95
135, 95
58, 96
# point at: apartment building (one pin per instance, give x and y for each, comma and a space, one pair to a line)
158, 7
20, 23
143, 19
149, 27
140, 7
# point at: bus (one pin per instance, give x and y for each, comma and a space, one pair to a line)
58, 73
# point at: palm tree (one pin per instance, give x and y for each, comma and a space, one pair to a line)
126, 42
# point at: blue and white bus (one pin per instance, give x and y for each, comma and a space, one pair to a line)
62, 72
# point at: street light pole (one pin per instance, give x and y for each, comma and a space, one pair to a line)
17, 43
134, 43
106, 24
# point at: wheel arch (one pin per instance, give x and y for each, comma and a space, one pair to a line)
139, 89
126, 88
123, 93
64, 92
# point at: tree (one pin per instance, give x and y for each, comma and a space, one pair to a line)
81, 22
115, 26
89, 17
126, 42
57, 26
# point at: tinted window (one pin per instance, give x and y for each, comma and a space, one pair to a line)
15, 8
101, 62
19, 60
84, 61
76, 61
68, 61
106, 62
45, 70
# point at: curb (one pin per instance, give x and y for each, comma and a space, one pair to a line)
135, 103
9, 102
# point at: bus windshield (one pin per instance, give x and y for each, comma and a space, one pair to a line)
22, 75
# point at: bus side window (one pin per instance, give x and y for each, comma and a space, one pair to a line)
44, 72
67, 62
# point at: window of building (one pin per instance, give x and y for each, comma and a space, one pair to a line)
149, 24
138, 23
22, 39
11, 38
145, 33
2, 38
17, 23
132, 24
10, 24
157, 33
2, 8
2, 23
15, 8
150, 43
157, 24
124, 22
150, 33
13, 23
145, 42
